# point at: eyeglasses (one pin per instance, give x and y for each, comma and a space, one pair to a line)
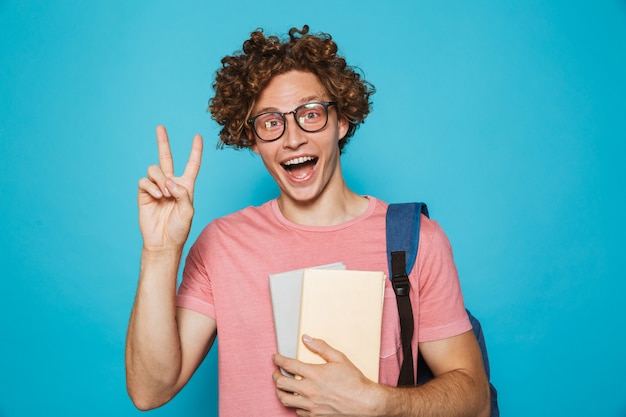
310, 117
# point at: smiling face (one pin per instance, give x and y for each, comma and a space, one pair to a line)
304, 165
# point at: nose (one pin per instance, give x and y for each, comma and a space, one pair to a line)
294, 136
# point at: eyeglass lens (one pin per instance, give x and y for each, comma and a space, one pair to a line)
310, 117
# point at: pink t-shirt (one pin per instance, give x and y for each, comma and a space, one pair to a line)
226, 278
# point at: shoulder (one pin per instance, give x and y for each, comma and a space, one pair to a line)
430, 231
241, 221
432, 234
245, 216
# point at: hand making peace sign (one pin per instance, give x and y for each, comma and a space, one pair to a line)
165, 201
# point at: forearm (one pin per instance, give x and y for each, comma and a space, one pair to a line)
455, 393
153, 353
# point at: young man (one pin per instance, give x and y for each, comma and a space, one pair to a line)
295, 103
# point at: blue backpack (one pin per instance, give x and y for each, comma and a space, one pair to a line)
403, 227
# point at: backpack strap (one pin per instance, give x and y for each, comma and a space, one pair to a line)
403, 225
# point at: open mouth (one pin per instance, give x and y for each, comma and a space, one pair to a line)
300, 167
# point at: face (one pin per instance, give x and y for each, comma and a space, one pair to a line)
305, 165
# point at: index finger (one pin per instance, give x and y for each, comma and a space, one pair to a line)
166, 162
291, 365
195, 158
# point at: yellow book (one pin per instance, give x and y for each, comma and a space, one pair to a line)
345, 309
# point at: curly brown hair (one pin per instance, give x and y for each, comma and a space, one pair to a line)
244, 75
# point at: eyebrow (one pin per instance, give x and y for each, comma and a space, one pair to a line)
302, 101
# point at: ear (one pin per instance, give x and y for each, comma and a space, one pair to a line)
343, 127
254, 147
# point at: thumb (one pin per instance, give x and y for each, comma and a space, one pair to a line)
177, 191
180, 194
319, 346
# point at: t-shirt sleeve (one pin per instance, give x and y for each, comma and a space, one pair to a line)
195, 292
442, 311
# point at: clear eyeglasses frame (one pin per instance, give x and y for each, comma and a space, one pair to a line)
310, 117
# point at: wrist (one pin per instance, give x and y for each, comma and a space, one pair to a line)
161, 252
379, 399
163, 260
159, 267
393, 401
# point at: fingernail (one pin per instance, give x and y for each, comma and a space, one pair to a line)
306, 338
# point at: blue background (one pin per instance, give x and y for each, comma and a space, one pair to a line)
508, 118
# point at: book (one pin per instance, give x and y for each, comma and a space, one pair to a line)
344, 308
285, 292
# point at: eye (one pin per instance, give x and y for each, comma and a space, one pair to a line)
310, 113
269, 122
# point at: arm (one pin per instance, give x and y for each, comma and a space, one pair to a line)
338, 388
460, 386
164, 345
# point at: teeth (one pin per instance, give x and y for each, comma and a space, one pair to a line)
300, 160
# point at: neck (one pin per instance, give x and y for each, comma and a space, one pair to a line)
340, 207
